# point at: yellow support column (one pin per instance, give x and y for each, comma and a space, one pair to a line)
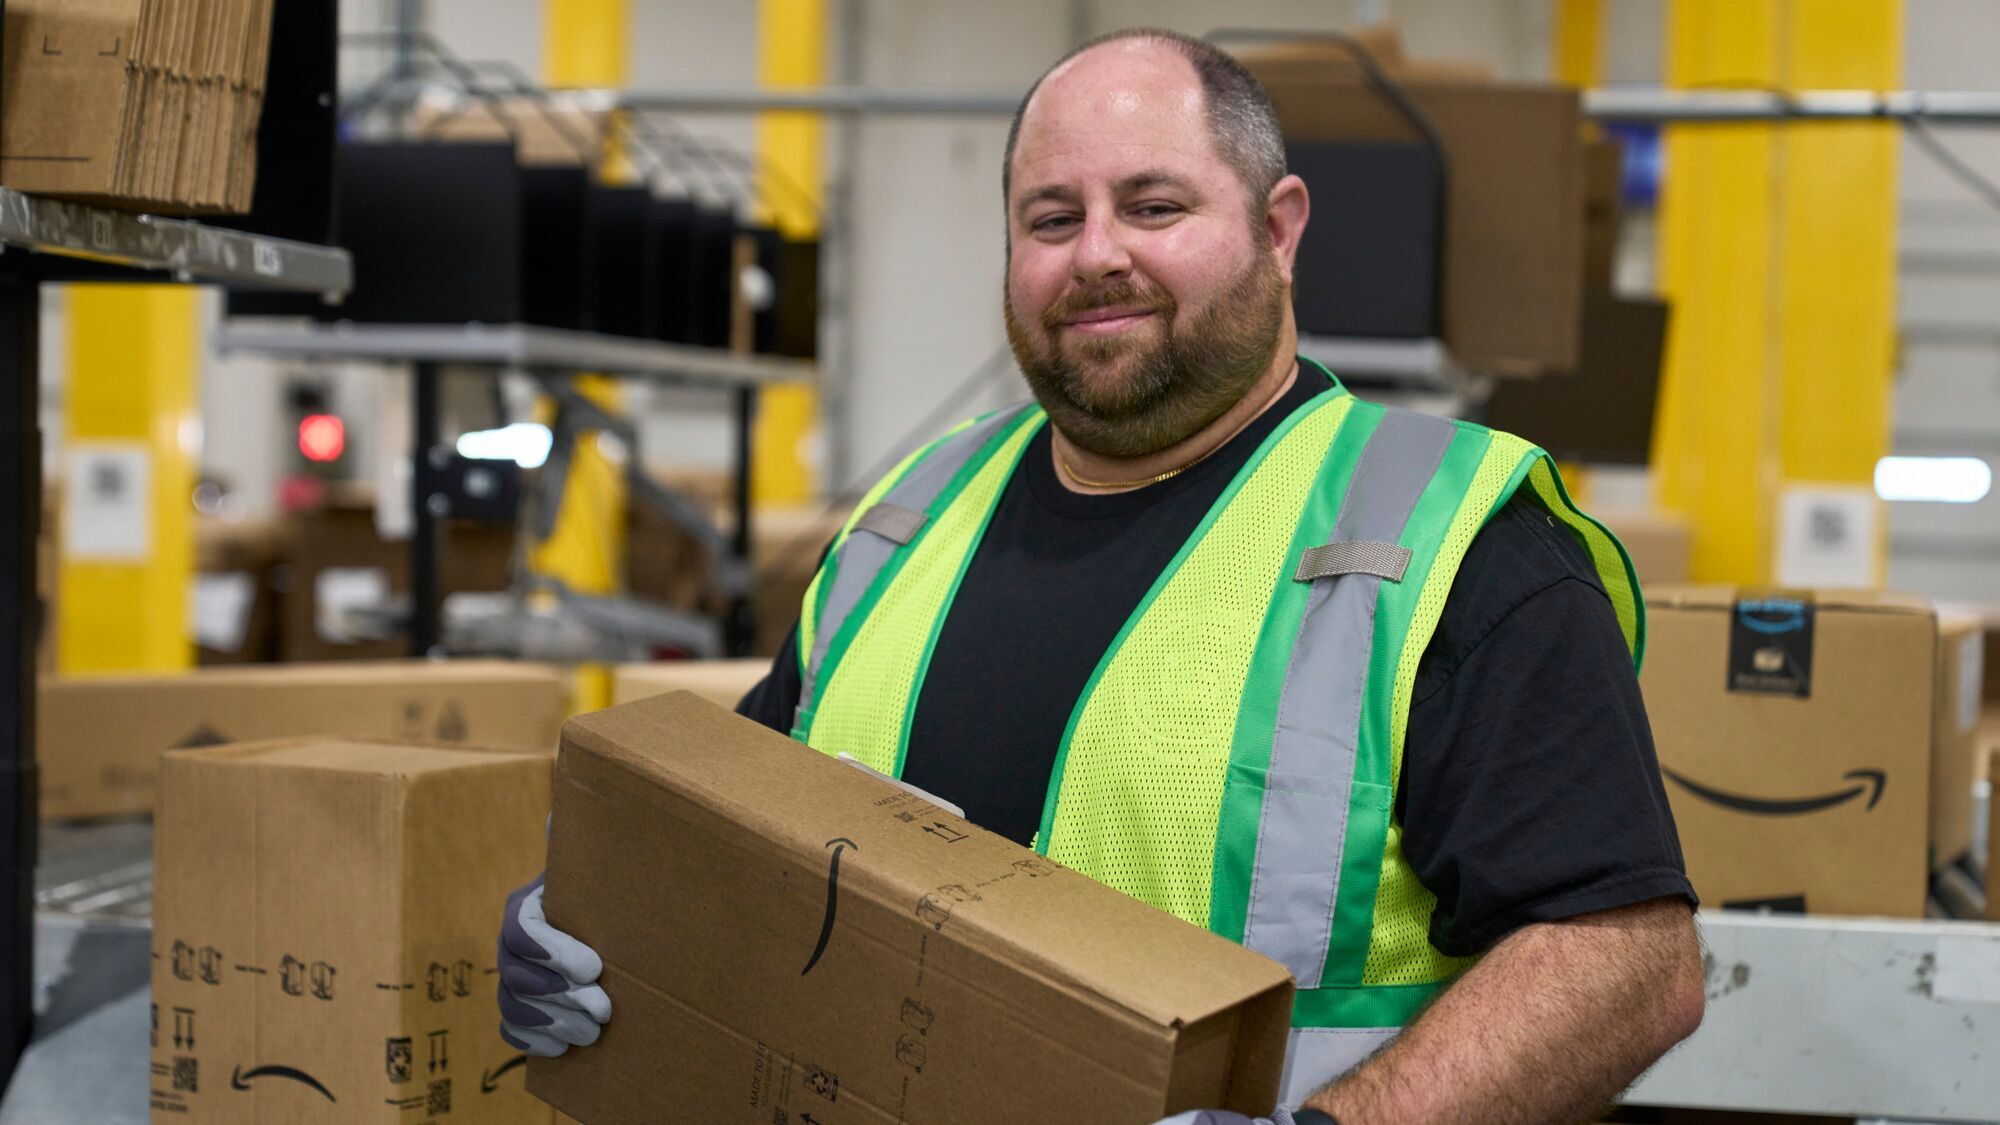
586, 43
1576, 58
128, 511
1776, 246
1837, 239
1578, 54
791, 51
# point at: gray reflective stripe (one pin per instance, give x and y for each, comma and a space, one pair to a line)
862, 557
893, 522
1383, 560
1302, 830
1315, 1056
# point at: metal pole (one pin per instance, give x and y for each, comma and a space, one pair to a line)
20, 629
1944, 107
740, 629
429, 504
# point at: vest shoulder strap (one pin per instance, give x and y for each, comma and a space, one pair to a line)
891, 517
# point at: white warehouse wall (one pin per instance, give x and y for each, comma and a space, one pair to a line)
1947, 393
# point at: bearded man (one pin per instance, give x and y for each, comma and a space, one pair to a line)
1353, 687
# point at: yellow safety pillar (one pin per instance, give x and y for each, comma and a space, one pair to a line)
1837, 253
791, 51
1577, 53
129, 475
1776, 251
586, 43
1576, 58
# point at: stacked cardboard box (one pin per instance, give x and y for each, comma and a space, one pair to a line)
334, 604
99, 740
1513, 259
1658, 542
1797, 734
786, 938
1955, 760
323, 936
139, 103
721, 682
232, 602
545, 132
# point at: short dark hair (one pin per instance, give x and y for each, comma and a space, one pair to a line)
1241, 122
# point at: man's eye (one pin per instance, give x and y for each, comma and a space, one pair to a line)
1052, 223
1158, 210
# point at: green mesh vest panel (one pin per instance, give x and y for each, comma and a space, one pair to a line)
1157, 786
1147, 751
876, 672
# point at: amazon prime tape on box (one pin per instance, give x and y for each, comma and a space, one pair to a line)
325, 915
1794, 730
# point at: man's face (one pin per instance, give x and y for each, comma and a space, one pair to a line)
1143, 299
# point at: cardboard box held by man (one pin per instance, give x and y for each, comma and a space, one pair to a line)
787, 937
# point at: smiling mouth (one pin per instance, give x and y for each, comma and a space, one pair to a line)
1099, 323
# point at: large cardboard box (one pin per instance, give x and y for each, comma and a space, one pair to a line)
1658, 542
1794, 731
1514, 265
546, 131
325, 913
721, 682
233, 611
1955, 748
788, 938
334, 604
99, 740
147, 103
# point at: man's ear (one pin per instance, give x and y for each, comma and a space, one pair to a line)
1285, 213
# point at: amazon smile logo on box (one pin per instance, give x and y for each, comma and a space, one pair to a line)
1872, 783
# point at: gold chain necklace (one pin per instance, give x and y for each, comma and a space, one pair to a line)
1075, 477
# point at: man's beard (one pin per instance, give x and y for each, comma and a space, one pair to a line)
1158, 390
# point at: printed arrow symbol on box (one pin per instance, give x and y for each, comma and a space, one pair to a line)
838, 844
1873, 782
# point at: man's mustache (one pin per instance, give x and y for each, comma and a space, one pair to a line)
1079, 301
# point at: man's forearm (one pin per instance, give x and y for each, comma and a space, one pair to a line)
1550, 1026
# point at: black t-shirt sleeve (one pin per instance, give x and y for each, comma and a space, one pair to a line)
1530, 790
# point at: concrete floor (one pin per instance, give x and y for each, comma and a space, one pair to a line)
93, 939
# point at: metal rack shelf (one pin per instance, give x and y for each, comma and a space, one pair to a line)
1416, 374
1849, 1017
1971, 107
524, 346
50, 240
185, 250
551, 354
1424, 363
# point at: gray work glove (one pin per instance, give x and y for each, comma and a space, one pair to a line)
549, 997
1225, 1117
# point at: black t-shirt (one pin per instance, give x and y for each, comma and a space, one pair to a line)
1529, 793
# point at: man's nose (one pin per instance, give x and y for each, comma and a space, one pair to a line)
1100, 252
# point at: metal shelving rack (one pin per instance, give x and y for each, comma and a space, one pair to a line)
552, 355
43, 241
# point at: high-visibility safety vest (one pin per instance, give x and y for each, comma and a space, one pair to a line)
1234, 757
